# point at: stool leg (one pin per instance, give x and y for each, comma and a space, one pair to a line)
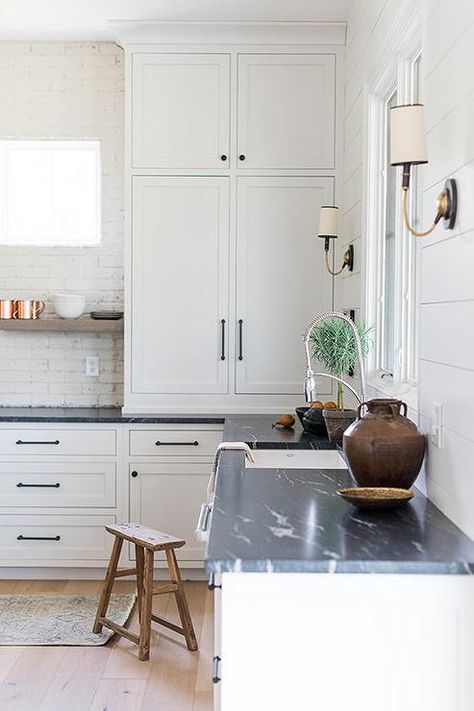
108, 584
181, 601
140, 570
146, 607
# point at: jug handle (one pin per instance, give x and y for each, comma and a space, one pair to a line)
403, 408
39, 308
359, 409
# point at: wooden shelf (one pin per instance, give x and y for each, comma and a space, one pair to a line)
84, 324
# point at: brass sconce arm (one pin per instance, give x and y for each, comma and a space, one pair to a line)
347, 257
446, 205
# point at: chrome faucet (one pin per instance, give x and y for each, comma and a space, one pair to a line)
310, 378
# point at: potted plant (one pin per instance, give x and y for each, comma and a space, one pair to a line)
334, 346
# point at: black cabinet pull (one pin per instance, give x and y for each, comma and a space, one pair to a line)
223, 156
212, 583
223, 339
241, 355
39, 486
38, 538
215, 670
134, 474
20, 441
177, 444
241, 157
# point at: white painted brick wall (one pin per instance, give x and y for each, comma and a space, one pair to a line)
65, 90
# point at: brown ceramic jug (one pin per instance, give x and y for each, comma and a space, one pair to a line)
384, 447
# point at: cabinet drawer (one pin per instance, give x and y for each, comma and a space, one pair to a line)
85, 442
53, 484
24, 538
180, 442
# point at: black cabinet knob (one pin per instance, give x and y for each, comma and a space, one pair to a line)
134, 474
223, 156
241, 157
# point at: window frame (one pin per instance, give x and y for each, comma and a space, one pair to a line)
72, 144
397, 74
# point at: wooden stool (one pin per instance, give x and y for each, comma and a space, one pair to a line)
146, 541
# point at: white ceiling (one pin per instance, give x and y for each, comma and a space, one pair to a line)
87, 19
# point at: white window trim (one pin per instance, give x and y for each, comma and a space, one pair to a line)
72, 144
397, 73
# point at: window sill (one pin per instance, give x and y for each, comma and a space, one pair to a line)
399, 391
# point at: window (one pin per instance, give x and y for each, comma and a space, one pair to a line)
50, 192
392, 254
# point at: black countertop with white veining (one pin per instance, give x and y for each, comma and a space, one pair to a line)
292, 520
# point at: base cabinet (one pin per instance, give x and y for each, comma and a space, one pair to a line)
337, 642
56, 499
167, 496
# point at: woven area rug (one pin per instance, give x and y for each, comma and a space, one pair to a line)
58, 620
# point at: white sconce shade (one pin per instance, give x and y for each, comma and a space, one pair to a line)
328, 221
408, 135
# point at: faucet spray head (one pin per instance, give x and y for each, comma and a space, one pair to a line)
310, 386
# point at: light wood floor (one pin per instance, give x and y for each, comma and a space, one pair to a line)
110, 678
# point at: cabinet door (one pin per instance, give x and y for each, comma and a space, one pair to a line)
286, 110
281, 279
168, 496
179, 285
180, 110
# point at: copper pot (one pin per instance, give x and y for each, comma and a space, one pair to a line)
384, 447
29, 309
7, 308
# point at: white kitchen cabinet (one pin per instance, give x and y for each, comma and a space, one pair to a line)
180, 110
167, 496
180, 284
286, 109
281, 280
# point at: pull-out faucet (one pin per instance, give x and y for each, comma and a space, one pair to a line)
310, 377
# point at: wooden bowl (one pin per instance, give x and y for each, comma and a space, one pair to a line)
376, 497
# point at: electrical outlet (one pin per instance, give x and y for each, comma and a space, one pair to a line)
436, 431
92, 366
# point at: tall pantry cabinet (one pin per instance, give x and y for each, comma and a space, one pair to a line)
231, 151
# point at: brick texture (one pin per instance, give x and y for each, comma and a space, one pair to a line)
65, 90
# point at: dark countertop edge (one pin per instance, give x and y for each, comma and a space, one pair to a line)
376, 567
122, 419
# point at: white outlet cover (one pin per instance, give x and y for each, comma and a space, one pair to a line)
92, 366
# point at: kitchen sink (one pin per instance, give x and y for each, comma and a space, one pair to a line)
296, 459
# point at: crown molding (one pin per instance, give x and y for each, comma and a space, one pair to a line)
291, 33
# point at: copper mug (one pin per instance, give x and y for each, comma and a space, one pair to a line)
7, 308
28, 309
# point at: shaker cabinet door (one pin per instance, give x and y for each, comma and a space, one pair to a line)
286, 105
281, 279
180, 110
179, 285
168, 497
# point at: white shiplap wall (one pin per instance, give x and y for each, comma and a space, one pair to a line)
70, 90
447, 293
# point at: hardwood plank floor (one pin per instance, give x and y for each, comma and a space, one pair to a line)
111, 677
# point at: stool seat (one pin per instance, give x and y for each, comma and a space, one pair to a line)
146, 541
145, 537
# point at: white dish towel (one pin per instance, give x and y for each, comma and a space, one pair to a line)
202, 535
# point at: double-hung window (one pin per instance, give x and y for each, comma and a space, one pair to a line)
392, 254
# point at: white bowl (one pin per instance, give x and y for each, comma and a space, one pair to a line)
69, 305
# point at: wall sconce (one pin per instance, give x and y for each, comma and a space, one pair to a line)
328, 229
407, 148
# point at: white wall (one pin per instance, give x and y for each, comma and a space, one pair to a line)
447, 293
72, 90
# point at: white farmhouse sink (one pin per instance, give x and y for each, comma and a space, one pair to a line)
296, 459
